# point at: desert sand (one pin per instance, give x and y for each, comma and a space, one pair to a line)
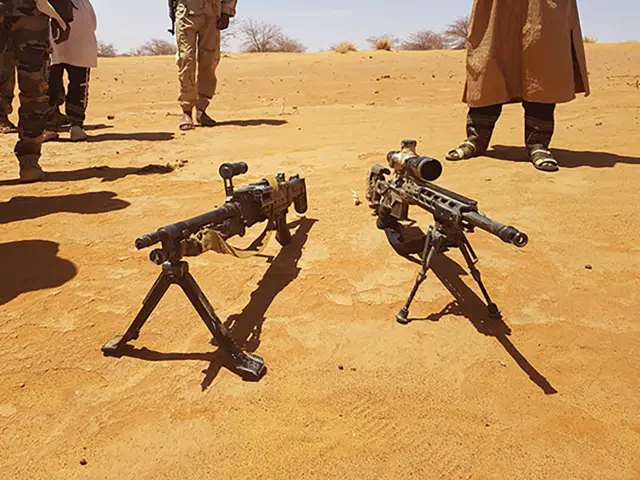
552, 391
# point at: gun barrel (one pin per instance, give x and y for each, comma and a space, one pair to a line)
506, 233
188, 227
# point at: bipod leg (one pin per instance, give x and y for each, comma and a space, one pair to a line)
471, 258
249, 366
431, 247
114, 346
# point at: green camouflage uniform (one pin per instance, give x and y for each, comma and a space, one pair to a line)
7, 82
24, 33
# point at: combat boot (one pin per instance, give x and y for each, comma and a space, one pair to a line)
30, 170
6, 125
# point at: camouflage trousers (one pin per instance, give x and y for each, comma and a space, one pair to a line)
198, 57
27, 38
7, 82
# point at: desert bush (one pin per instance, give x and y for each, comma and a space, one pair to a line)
344, 47
457, 33
383, 42
155, 47
106, 50
590, 40
425, 40
256, 37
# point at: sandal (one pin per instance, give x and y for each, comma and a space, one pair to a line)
464, 151
543, 160
186, 122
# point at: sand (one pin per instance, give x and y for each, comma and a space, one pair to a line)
549, 392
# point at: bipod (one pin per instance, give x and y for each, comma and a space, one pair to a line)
249, 366
437, 241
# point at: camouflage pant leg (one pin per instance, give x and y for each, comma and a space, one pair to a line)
539, 124
30, 38
7, 80
481, 122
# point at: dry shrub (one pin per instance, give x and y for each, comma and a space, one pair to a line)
259, 37
457, 33
425, 40
106, 49
383, 42
344, 47
590, 40
155, 47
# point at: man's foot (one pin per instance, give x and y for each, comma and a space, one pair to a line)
186, 122
464, 151
58, 120
77, 133
6, 126
49, 135
204, 120
30, 170
543, 160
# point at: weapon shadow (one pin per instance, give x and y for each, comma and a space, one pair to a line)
25, 208
107, 174
565, 158
245, 327
32, 265
467, 303
251, 123
117, 137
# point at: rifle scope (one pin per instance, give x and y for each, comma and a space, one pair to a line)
230, 170
420, 168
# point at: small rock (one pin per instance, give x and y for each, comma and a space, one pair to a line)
83, 461
486, 424
340, 367
487, 179
117, 152
502, 363
353, 369
599, 124
110, 117
22, 385
588, 267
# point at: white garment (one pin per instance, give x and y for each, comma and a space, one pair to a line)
81, 49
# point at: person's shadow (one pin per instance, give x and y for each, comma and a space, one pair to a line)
24, 208
106, 173
31, 265
565, 158
245, 327
407, 241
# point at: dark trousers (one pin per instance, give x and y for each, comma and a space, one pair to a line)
76, 98
538, 125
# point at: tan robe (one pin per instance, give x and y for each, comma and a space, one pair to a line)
529, 50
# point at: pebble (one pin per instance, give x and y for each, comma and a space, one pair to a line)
599, 124
340, 367
588, 267
83, 461
111, 117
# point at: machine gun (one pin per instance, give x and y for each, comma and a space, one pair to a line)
265, 201
454, 215
173, 5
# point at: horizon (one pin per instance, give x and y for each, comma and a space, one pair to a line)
319, 27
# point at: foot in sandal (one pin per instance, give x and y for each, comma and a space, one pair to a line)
543, 159
464, 151
186, 122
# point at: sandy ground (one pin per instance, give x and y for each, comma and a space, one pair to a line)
452, 396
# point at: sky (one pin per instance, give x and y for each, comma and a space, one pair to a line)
129, 23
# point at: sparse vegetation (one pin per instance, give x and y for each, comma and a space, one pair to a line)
384, 42
590, 40
457, 33
155, 47
257, 37
344, 47
425, 40
107, 50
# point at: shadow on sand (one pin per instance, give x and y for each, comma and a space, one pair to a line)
565, 158
245, 327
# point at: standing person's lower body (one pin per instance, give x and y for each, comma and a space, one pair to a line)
539, 124
7, 89
28, 38
75, 101
198, 56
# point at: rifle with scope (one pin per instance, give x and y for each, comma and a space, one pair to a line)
454, 215
267, 200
